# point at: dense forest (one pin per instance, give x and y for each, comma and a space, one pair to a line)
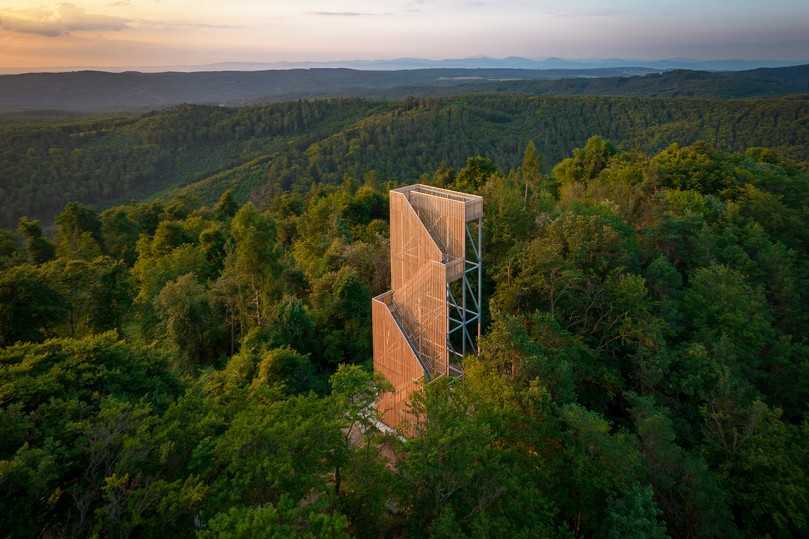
192, 368
46, 162
257, 151
678, 82
102, 91
99, 91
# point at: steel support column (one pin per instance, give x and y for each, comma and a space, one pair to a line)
480, 278
469, 310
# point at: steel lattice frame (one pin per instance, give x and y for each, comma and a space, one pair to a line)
468, 312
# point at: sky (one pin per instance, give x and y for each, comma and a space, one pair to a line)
132, 33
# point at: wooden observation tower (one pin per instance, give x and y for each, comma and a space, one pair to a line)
431, 317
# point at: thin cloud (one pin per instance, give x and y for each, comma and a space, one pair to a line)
65, 19
594, 12
169, 25
346, 14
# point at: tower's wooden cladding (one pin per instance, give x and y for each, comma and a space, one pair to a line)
411, 245
395, 360
445, 216
411, 323
420, 307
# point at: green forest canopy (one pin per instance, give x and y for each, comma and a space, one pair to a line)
258, 151
174, 369
99, 91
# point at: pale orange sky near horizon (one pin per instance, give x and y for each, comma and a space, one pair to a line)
124, 33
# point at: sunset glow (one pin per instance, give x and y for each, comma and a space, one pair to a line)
132, 33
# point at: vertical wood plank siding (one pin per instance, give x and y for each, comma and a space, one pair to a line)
411, 245
420, 307
397, 362
445, 218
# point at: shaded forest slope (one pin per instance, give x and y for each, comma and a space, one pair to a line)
765, 82
97, 91
256, 151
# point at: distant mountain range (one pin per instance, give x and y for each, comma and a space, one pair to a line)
479, 62
517, 62
97, 91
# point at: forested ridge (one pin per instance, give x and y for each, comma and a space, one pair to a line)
101, 160
202, 369
257, 151
102, 91
99, 91
678, 82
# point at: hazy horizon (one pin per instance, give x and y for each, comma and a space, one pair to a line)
397, 63
124, 34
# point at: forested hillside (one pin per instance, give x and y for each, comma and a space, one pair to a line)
256, 151
46, 163
679, 82
98, 91
203, 371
